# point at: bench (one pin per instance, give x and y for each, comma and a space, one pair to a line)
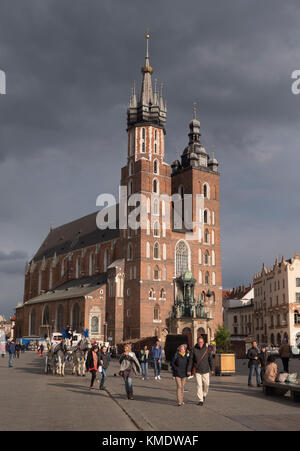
280, 389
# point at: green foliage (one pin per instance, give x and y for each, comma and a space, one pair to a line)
222, 339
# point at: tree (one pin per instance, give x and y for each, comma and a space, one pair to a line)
222, 338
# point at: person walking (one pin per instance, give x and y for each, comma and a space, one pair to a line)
104, 362
156, 352
144, 359
92, 363
179, 366
11, 352
129, 367
285, 353
254, 364
201, 363
263, 358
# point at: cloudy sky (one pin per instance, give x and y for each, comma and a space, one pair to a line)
70, 65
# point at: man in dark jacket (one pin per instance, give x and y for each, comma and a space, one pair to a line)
201, 361
254, 364
263, 358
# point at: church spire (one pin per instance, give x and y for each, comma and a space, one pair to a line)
147, 93
150, 108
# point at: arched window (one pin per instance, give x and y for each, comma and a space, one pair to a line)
156, 315
156, 273
206, 191
206, 217
155, 186
143, 133
151, 293
206, 236
62, 269
207, 278
162, 294
296, 317
75, 317
206, 258
156, 251
156, 229
32, 319
155, 167
46, 316
182, 258
60, 318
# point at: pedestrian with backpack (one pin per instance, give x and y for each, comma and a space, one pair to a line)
201, 365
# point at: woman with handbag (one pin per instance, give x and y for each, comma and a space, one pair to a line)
179, 366
129, 367
92, 363
200, 364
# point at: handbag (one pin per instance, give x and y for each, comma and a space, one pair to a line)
282, 377
292, 378
195, 367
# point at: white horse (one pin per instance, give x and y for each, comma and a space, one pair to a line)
79, 354
60, 353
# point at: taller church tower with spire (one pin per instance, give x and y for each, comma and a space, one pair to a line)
159, 257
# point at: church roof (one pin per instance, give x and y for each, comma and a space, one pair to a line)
72, 289
74, 235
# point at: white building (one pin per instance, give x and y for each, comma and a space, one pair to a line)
277, 302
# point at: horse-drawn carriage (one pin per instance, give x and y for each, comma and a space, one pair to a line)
62, 351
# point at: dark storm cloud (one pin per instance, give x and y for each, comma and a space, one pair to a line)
70, 66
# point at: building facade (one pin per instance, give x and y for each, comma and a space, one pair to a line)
277, 302
139, 267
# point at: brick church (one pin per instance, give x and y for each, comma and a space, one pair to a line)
126, 283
